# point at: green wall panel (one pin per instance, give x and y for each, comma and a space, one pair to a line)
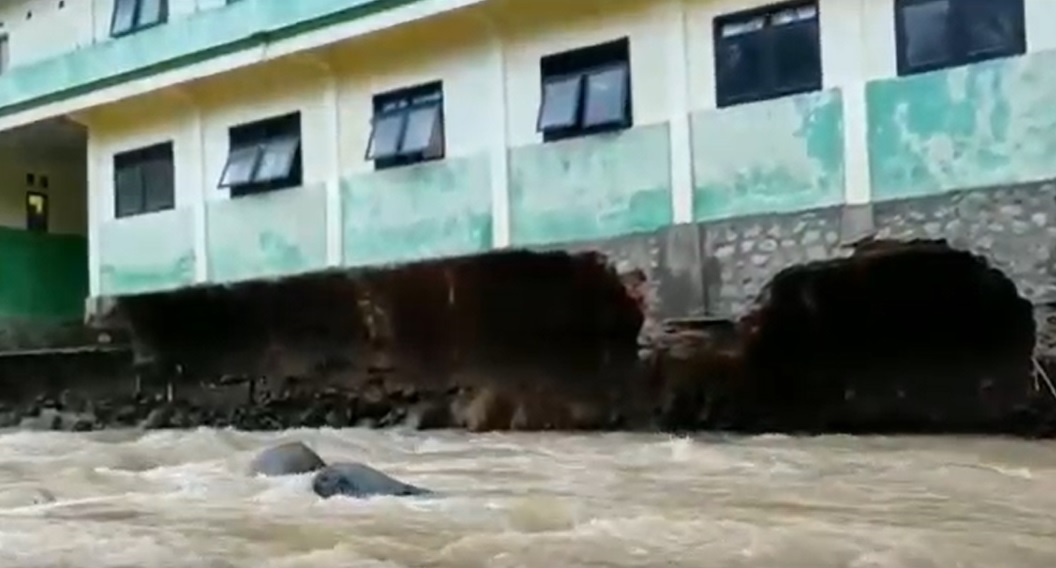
147, 253
986, 124
266, 235
591, 188
773, 156
431, 210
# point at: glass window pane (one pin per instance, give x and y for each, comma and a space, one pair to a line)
606, 101
128, 191
276, 160
158, 184
124, 16
151, 12
385, 139
797, 57
741, 67
240, 165
421, 133
741, 27
560, 103
926, 33
992, 28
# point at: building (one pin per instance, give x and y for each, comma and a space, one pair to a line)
151, 146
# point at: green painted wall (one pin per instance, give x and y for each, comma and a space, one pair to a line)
774, 156
203, 35
591, 188
42, 276
431, 210
980, 125
271, 234
147, 253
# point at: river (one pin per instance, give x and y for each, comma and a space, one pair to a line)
181, 499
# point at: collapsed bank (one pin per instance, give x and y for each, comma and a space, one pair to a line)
890, 337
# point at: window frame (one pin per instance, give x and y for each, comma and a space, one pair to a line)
137, 13
768, 38
400, 104
583, 63
253, 141
138, 161
957, 37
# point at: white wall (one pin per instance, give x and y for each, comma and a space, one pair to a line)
488, 59
534, 30
39, 29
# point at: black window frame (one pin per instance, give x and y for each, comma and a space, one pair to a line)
768, 39
251, 142
137, 23
576, 68
958, 37
398, 106
137, 164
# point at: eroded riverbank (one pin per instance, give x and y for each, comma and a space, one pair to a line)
895, 337
177, 499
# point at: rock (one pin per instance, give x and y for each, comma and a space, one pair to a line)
291, 458
487, 410
337, 418
429, 415
46, 419
10, 418
83, 425
351, 479
126, 415
160, 417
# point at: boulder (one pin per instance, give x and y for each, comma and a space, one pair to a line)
351, 479
291, 458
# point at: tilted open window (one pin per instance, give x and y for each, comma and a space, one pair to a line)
408, 126
767, 53
938, 34
144, 180
130, 16
264, 156
585, 91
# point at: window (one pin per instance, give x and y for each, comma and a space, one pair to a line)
5, 51
767, 53
36, 212
144, 180
585, 91
408, 126
936, 34
133, 15
263, 156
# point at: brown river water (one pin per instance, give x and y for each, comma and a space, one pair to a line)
182, 499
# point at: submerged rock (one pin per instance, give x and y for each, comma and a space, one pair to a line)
291, 458
351, 479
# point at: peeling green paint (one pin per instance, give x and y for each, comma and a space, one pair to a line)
589, 188
147, 253
183, 41
429, 210
986, 124
42, 276
272, 234
775, 156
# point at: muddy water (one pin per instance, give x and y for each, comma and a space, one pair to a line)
180, 499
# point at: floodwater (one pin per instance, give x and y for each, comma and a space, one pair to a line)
182, 499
